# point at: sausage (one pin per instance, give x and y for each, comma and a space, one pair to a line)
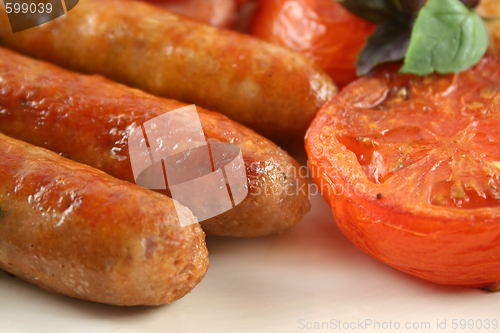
87, 119
217, 13
491, 9
273, 90
76, 231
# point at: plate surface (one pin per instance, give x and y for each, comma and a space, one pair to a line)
310, 275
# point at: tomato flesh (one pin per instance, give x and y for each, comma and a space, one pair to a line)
418, 163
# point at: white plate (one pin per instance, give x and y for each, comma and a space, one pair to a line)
284, 283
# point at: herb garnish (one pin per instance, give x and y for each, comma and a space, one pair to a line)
445, 36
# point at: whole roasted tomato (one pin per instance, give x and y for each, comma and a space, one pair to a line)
321, 29
411, 169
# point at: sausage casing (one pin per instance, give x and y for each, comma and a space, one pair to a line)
76, 231
273, 90
87, 119
217, 13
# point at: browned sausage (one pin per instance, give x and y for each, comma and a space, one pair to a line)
77, 231
217, 13
270, 89
87, 118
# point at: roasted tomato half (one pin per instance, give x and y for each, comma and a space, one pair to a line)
411, 169
321, 29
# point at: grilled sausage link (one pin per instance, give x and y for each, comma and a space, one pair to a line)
268, 88
76, 231
87, 119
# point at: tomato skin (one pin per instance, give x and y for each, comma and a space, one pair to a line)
321, 29
445, 254
439, 243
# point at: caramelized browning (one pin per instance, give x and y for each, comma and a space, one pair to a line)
270, 89
87, 119
450, 120
418, 160
76, 231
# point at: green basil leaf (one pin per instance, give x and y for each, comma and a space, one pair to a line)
447, 37
388, 43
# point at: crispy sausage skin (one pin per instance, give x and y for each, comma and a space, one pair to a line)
87, 119
76, 231
268, 88
217, 13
